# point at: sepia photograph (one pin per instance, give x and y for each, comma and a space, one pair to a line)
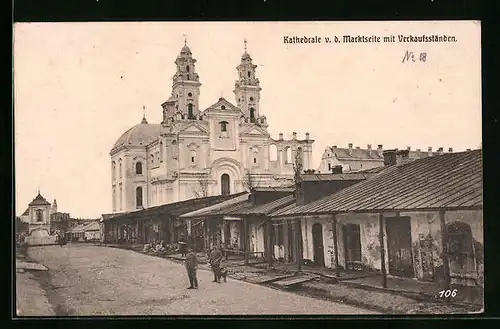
248, 168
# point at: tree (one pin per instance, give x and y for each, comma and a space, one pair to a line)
202, 190
249, 181
297, 166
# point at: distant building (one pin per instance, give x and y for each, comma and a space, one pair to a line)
356, 158
41, 214
38, 214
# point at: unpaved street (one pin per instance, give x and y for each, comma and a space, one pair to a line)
93, 280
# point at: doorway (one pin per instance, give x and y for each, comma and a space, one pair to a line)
399, 246
319, 255
352, 246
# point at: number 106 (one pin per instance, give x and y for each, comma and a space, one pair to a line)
448, 293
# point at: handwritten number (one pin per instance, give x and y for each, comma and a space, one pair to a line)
448, 293
410, 55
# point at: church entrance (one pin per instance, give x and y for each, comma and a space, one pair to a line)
225, 184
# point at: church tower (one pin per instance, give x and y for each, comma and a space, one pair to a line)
186, 85
247, 88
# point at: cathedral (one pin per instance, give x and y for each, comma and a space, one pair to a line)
197, 152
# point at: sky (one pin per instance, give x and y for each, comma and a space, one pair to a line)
79, 86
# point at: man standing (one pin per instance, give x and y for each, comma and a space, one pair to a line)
215, 258
191, 266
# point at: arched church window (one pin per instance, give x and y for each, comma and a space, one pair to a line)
329, 166
225, 184
193, 156
39, 215
174, 149
188, 76
114, 199
120, 167
187, 68
254, 160
249, 74
190, 111
121, 197
138, 197
113, 170
138, 168
252, 114
223, 126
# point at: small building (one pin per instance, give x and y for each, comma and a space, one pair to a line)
37, 216
76, 233
357, 158
92, 232
419, 219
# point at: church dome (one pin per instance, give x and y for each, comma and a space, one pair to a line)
139, 135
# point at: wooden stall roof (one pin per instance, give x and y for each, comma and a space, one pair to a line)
447, 181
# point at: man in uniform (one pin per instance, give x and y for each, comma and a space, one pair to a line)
215, 259
191, 266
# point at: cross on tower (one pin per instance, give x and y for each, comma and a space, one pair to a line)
143, 110
245, 41
185, 39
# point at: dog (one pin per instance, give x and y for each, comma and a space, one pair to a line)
223, 274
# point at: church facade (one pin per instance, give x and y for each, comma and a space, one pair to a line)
39, 213
196, 152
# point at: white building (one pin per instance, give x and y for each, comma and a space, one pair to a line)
193, 152
38, 214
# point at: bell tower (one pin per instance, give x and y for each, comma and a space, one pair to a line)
247, 88
186, 85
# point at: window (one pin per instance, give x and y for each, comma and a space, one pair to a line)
288, 155
223, 126
121, 198
113, 170
273, 152
138, 197
120, 167
138, 168
254, 160
329, 166
252, 114
187, 68
190, 95
223, 107
249, 74
114, 199
39, 215
152, 158
190, 111
251, 99
193, 156
225, 184
161, 151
